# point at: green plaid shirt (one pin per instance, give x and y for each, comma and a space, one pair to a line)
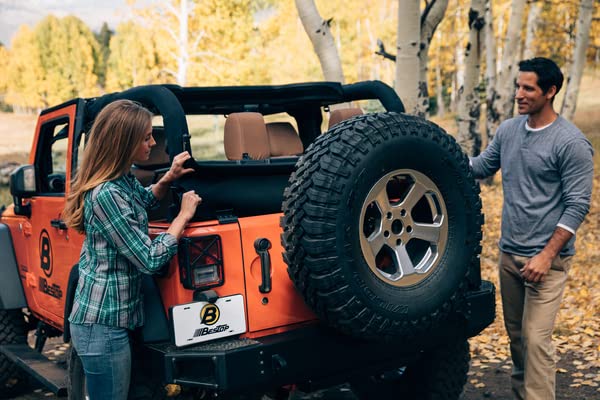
115, 252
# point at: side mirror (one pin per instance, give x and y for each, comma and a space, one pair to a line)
22, 185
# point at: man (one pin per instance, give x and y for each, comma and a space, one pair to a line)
547, 171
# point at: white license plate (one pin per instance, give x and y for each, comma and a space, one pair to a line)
202, 321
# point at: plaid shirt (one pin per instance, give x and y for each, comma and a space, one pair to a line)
115, 252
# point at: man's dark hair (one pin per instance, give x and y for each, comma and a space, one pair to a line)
547, 71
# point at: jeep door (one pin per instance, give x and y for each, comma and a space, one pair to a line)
53, 249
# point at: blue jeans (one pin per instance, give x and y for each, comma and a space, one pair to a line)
106, 357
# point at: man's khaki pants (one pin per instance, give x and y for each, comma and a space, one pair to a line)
529, 313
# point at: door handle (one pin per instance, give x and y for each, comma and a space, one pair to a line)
58, 224
262, 246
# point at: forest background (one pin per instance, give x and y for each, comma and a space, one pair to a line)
212, 42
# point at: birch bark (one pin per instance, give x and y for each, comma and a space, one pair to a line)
322, 40
582, 41
469, 107
430, 19
508, 68
533, 25
407, 56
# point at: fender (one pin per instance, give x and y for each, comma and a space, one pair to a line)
71, 286
11, 287
156, 325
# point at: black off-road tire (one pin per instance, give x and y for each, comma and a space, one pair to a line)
141, 387
438, 375
75, 376
13, 330
382, 221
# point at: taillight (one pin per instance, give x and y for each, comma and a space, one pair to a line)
201, 262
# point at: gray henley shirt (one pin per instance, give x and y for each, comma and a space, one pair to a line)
546, 178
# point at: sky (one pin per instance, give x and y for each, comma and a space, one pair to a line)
14, 13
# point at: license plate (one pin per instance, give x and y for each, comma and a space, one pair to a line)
202, 321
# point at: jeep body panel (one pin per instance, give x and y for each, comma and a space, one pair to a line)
275, 311
11, 287
51, 246
282, 306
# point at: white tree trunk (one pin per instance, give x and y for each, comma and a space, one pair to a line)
432, 16
183, 56
439, 90
508, 68
533, 25
454, 94
582, 41
407, 58
469, 106
492, 119
459, 76
322, 40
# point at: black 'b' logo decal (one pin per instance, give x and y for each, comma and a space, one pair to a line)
45, 253
209, 314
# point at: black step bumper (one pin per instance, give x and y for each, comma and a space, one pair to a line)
314, 356
480, 308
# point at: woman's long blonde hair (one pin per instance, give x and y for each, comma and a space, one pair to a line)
115, 135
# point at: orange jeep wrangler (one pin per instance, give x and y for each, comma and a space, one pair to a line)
332, 245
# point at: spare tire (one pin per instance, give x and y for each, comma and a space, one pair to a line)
382, 220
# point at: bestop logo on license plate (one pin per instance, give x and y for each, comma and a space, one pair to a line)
201, 321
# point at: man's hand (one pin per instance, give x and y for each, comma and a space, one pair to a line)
536, 268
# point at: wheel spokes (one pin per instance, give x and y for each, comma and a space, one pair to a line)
376, 242
403, 261
416, 193
429, 232
383, 202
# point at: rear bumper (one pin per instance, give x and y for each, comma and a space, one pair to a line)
312, 355
480, 308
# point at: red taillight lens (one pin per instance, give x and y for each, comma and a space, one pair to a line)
201, 262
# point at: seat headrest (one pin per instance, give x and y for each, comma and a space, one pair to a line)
341, 114
158, 153
283, 139
245, 132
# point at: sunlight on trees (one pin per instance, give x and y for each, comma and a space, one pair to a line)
211, 42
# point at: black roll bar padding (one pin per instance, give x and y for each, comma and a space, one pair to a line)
374, 90
156, 97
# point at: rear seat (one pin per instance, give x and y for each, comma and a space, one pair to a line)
247, 136
283, 140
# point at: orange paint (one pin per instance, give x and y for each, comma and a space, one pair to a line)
46, 254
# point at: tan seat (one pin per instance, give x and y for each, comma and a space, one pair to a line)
341, 114
246, 133
159, 158
283, 140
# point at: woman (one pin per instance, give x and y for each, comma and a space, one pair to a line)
109, 206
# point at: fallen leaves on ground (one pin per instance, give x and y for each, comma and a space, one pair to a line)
577, 329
